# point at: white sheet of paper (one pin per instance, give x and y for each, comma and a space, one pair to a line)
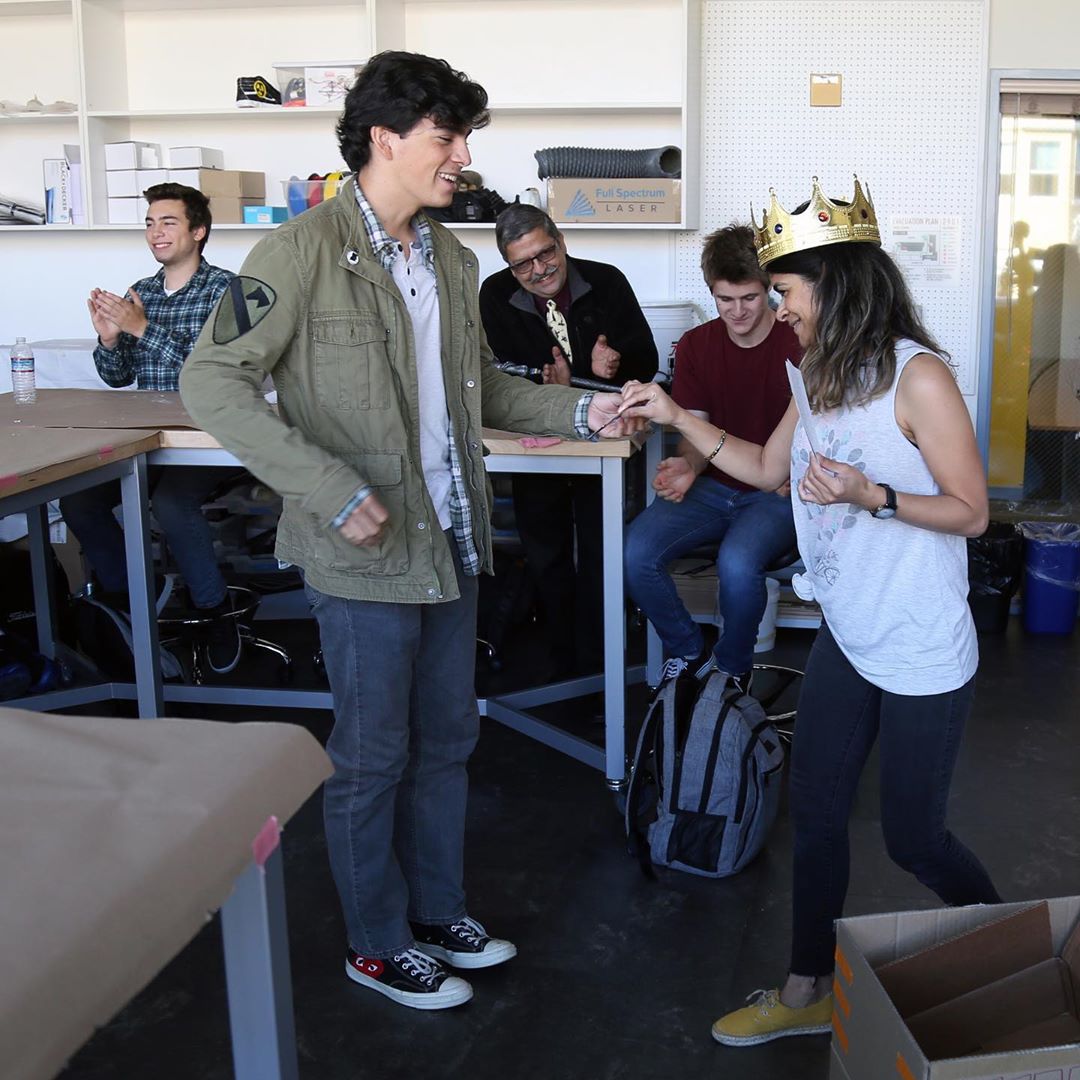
802, 403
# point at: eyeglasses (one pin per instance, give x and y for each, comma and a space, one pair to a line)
545, 258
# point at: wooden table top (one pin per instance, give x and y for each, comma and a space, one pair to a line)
68, 432
33, 456
98, 409
498, 442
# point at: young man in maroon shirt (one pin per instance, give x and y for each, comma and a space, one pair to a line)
731, 372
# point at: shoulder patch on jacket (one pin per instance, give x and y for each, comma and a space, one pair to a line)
244, 304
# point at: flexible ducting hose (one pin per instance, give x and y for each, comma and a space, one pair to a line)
582, 161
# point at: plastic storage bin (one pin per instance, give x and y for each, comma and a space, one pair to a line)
301, 195
1051, 576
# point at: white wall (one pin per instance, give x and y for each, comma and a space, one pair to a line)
1035, 34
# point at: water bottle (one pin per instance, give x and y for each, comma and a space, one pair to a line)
22, 373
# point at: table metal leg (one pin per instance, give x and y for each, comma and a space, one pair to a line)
37, 525
654, 452
135, 499
612, 476
258, 976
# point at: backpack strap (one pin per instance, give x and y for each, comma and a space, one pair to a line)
641, 776
684, 699
672, 707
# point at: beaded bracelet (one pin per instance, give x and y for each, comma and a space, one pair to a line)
719, 446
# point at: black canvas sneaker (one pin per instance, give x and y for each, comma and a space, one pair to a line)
463, 943
410, 978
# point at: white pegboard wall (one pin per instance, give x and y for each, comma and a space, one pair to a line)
914, 79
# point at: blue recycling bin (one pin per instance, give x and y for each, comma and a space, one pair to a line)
1051, 576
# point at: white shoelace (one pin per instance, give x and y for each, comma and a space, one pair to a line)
469, 930
416, 963
673, 667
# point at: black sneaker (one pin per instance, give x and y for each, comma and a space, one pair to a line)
410, 978
221, 636
463, 943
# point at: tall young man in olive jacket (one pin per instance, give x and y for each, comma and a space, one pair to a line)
365, 312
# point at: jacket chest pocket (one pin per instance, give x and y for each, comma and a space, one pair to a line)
352, 365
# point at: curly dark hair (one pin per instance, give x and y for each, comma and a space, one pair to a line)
196, 205
397, 90
729, 255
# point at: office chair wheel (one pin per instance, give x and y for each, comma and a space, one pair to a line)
776, 687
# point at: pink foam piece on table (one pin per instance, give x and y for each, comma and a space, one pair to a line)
538, 442
266, 841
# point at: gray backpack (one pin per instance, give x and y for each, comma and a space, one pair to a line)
705, 782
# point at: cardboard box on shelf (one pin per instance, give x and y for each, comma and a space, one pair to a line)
973, 993
624, 201
122, 183
129, 211
149, 177
226, 210
265, 215
132, 155
73, 156
196, 157
230, 183
57, 176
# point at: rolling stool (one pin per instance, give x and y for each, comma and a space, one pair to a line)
185, 629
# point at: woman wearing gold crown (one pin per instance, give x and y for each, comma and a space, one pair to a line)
887, 482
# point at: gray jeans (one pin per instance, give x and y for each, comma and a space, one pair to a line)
405, 723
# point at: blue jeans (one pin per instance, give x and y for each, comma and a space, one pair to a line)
405, 723
753, 529
840, 717
177, 493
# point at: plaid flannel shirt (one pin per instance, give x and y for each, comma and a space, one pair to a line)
173, 323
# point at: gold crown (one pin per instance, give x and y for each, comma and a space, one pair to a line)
822, 222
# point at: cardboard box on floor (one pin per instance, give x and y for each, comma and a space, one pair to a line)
973, 993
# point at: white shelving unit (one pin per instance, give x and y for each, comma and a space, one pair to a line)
165, 71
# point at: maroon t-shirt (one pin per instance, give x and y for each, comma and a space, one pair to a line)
744, 391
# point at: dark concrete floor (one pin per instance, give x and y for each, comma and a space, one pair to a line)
617, 978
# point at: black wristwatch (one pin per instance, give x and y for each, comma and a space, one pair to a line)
888, 508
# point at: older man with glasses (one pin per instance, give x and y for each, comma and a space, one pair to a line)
575, 320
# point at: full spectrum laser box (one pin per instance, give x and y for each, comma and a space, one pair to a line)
988, 992
626, 201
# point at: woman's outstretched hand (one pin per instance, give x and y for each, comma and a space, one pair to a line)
648, 402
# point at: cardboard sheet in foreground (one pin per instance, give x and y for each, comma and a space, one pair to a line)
117, 838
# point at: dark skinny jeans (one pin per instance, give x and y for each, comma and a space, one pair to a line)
840, 716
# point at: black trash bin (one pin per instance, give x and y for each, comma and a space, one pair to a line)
995, 566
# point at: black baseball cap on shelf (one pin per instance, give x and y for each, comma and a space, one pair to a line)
256, 90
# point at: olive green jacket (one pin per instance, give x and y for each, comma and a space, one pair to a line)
313, 308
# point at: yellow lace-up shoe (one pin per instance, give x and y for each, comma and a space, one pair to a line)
766, 1018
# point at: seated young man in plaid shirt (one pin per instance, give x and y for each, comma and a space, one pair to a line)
144, 337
